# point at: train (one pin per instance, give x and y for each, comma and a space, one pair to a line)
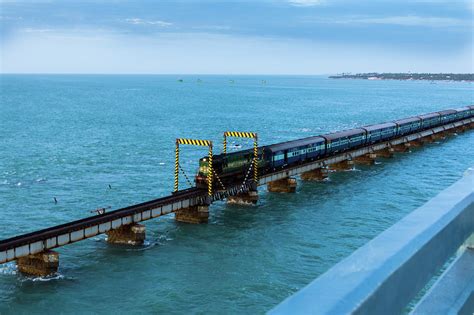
232, 167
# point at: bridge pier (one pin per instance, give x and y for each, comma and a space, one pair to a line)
194, 214
385, 153
247, 198
400, 148
438, 136
416, 143
427, 139
131, 234
366, 159
317, 174
285, 185
342, 166
41, 264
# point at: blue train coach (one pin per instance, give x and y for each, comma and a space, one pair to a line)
297, 151
344, 140
380, 132
408, 125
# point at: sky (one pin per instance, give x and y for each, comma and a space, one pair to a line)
307, 37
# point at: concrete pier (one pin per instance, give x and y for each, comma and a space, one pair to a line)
248, 198
438, 136
193, 214
425, 140
285, 185
400, 148
317, 174
416, 143
367, 159
342, 166
42, 264
385, 153
132, 234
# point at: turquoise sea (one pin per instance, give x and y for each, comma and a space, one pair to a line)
71, 136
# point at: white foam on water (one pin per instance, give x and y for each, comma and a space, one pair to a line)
9, 269
56, 276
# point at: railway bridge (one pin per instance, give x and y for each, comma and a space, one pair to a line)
34, 251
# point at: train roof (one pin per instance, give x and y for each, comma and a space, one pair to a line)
430, 115
407, 120
295, 143
379, 126
462, 109
345, 133
447, 112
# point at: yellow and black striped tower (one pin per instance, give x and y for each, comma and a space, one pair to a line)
255, 159
238, 134
176, 167
209, 172
204, 143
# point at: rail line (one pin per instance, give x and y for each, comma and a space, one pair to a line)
60, 235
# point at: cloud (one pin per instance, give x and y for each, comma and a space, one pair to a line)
138, 21
305, 3
408, 20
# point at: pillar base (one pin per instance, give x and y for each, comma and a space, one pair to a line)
132, 234
345, 165
400, 148
317, 174
42, 264
285, 185
248, 198
415, 143
449, 132
367, 159
460, 129
427, 139
385, 153
193, 214
438, 136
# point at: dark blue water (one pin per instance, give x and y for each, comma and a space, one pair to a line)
70, 137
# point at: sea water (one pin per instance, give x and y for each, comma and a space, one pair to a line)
108, 141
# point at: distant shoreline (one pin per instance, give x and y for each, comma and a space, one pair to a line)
458, 77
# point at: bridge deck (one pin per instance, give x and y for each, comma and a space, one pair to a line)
35, 242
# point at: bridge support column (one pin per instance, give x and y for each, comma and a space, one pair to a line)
415, 143
427, 139
450, 132
248, 198
317, 174
400, 148
285, 185
131, 234
438, 136
193, 214
342, 166
461, 129
367, 159
42, 264
385, 153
